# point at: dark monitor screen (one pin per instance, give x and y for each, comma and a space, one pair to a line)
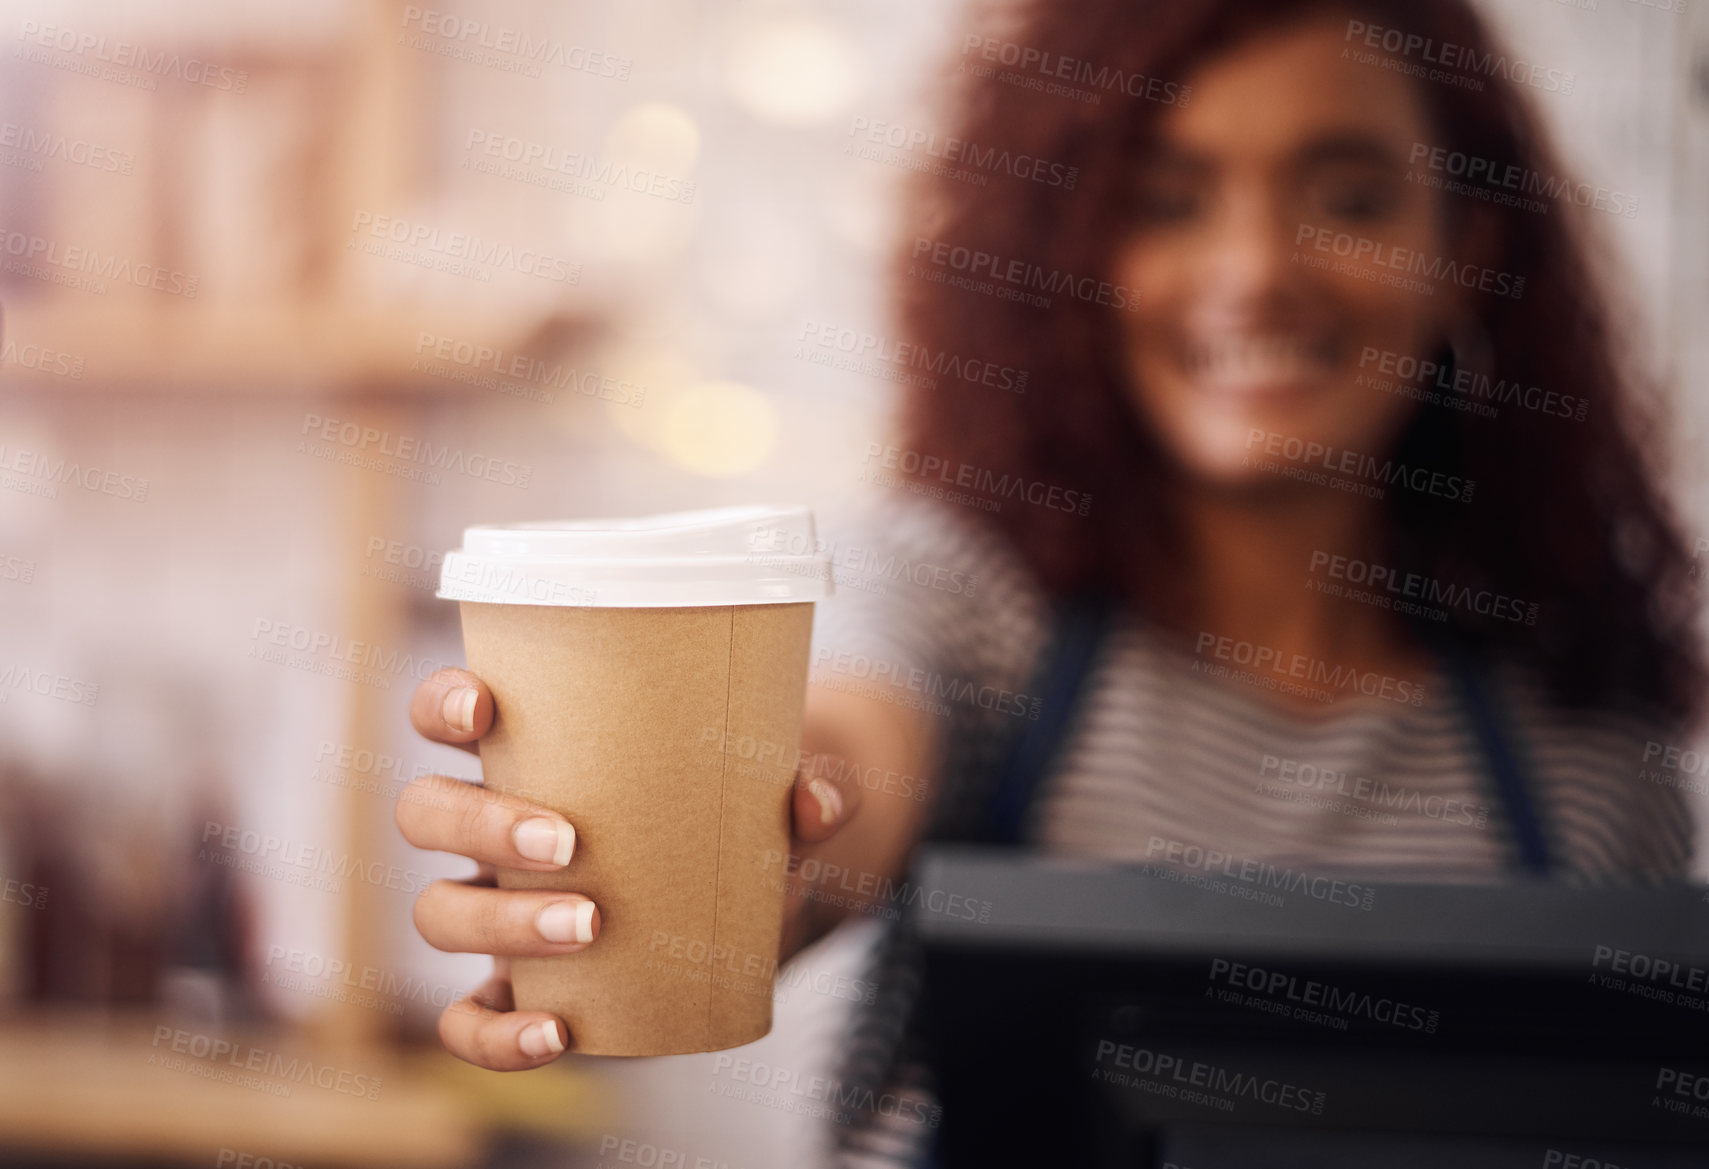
1100, 1015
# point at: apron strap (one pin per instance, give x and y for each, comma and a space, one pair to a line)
1080, 629
1504, 764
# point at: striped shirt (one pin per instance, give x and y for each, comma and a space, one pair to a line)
1188, 747
1180, 750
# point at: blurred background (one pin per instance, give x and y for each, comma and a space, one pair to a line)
294, 292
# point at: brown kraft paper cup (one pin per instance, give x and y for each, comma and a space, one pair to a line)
621, 719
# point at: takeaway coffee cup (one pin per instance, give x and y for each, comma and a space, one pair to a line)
648, 677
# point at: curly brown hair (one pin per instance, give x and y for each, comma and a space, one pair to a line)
1569, 512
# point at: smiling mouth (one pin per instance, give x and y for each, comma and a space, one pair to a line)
1252, 364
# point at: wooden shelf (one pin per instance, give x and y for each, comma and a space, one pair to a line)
101, 1086
288, 348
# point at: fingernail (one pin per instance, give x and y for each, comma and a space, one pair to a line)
458, 709
567, 921
541, 1039
542, 839
830, 800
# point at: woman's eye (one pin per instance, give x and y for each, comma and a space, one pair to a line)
1165, 201
1357, 199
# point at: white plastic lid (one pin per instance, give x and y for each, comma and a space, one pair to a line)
757, 555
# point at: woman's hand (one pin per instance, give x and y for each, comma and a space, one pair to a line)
475, 916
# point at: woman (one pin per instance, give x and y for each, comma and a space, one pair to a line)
1361, 462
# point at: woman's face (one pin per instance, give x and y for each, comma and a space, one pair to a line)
1246, 328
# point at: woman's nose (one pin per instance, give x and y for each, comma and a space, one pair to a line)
1251, 250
